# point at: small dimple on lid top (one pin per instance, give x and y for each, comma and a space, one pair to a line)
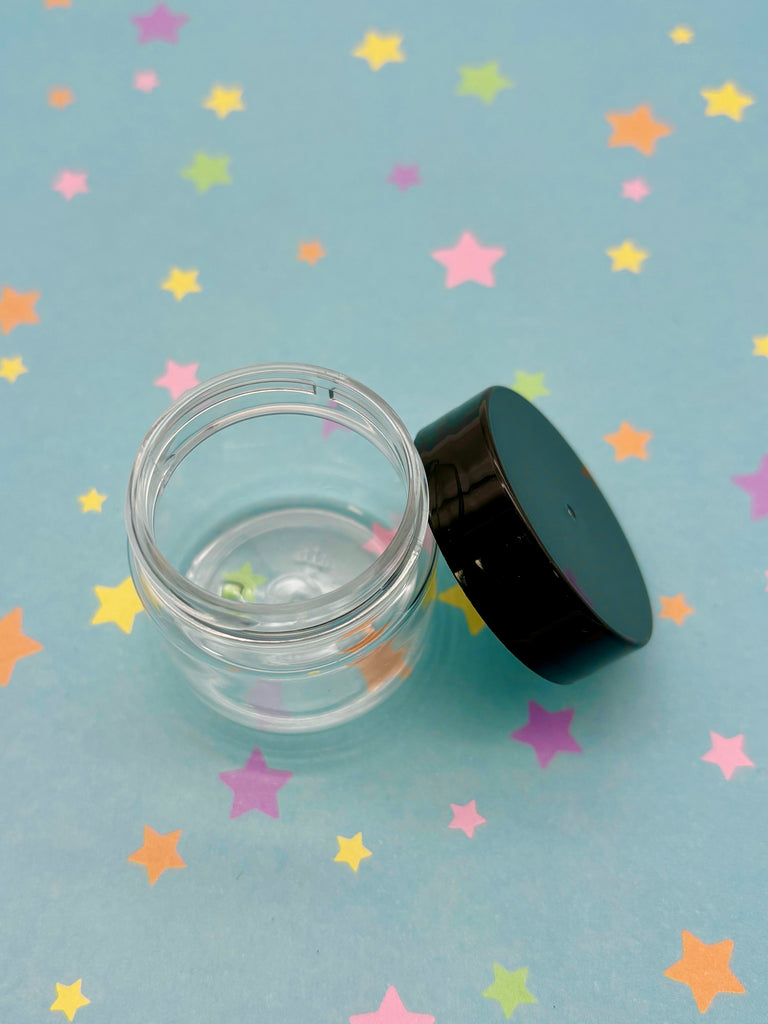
531, 539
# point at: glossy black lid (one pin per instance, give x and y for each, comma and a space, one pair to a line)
530, 538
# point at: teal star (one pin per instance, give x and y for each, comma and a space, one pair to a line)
508, 989
243, 584
206, 171
483, 82
529, 385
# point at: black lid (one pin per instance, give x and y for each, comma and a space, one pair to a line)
530, 538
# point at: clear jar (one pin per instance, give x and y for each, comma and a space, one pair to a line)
277, 535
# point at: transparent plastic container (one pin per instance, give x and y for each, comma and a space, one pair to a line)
277, 521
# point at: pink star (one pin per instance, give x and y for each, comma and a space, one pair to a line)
255, 786
756, 485
404, 176
635, 188
466, 818
391, 1011
547, 732
330, 425
145, 81
178, 378
727, 753
468, 261
766, 574
380, 541
71, 183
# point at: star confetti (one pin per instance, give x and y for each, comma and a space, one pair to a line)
181, 282
145, 81
60, 96
69, 998
636, 189
675, 608
17, 308
11, 369
391, 1011
404, 176
92, 501
628, 442
704, 969
760, 346
681, 34
383, 664
529, 385
178, 378
351, 851
380, 541
224, 100
159, 24
71, 183
485, 82
727, 101
118, 604
727, 753
243, 584
158, 853
469, 261
14, 645
310, 252
466, 818
627, 256
509, 989
637, 128
456, 597
379, 50
329, 426
756, 486
548, 732
206, 171
50, 4
255, 786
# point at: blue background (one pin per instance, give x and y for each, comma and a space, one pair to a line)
586, 871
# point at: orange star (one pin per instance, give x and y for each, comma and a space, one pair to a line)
382, 664
627, 441
17, 308
704, 968
13, 644
310, 252
50, 4
60, 96
675, 608
158, 853
638, 129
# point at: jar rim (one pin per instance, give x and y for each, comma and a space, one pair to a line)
354, 598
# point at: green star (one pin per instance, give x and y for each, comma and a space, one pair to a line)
508, 989
208, 170
483, 82
243, 584
529, 385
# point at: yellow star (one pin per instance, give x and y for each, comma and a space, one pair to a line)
455, 596
727, 100
69, 998
379, 50
223, 100
119, 604
181, 283
627, 256
12, 368
351, 851
92, 501
681, 34
760, 349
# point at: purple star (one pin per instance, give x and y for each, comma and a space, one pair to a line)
161, 23
404, 176
756, 484
255, 786
547, 732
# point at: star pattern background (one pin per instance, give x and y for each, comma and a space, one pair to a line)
303, 166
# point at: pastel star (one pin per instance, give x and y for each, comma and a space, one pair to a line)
468, 261
675, 608
60, 97
351, 851
158, 853
224, 100
637, 128
547, 732
529, 385
160, 23
628, 442
310, 252
704, 969
206, 171
509, 989
404, 176
727, 753
466, 818
383, 664
14, 645
178, 378
380, 541
10, 369
243, 584
756, 485
118, 604
145, 81
727, 101
760, 346
71, 183
255, 786
17, 308
379, 50
69, 999
181, 283
485, 82
681, 34
627, 256
92, 501
391, 1011
635, 188
330, 425
50, 4
456, 597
